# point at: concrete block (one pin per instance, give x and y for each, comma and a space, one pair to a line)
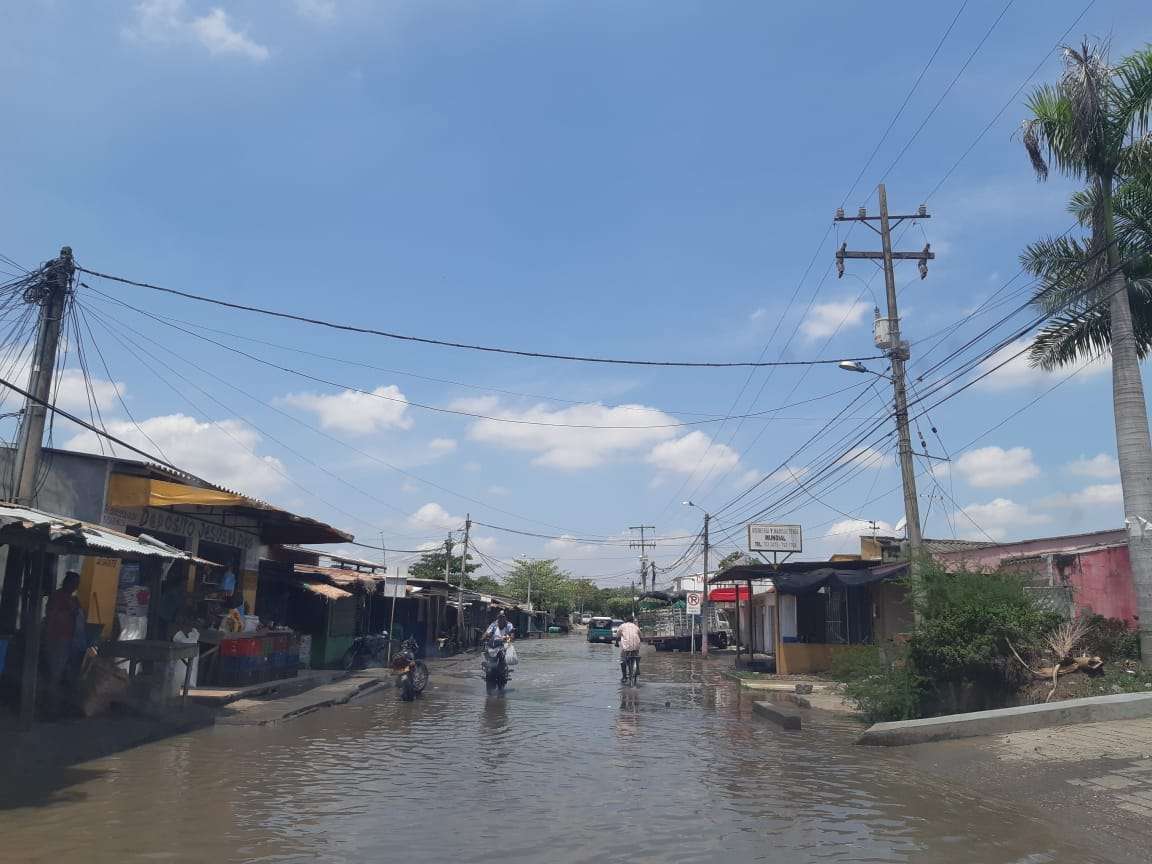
1095, 709
804, 689
788, 718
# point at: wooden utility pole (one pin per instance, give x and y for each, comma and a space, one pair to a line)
888, 339
463, 573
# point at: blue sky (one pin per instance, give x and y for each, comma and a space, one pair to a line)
636, 179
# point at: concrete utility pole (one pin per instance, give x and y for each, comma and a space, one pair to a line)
52, 295
642, 544
463, 574
888, 339
705, 606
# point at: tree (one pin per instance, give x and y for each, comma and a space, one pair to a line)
1093, 125
539, 580
431, 566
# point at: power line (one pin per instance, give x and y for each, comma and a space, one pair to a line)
352, 328
435, 408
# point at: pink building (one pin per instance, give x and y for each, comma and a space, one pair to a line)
1093, 567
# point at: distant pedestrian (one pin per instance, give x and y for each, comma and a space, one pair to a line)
64, 619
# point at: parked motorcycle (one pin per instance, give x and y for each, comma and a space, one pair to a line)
411, 673
495, 665
368, 650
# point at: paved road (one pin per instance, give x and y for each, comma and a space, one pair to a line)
567, 767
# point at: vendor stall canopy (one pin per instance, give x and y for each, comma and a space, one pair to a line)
62, 534
188, 493
808, 577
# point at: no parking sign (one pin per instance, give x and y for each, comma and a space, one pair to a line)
693, 603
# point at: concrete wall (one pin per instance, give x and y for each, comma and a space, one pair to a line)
796, 658
1101, 580
991, 556
73, 486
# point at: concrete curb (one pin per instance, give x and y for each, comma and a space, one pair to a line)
1095, 709
787, 718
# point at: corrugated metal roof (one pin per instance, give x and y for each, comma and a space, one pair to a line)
76, 533
331, 592
339, 575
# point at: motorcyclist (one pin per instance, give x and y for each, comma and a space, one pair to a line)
629, 635
501, 628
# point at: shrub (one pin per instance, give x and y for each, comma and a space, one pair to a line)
1111, 639
961, 646
881, 690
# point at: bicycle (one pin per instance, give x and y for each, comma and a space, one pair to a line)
630, 667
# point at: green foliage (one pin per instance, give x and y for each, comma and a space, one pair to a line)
541, 579
967, 620
431, 566
1111, 639
1138, 680
880, 689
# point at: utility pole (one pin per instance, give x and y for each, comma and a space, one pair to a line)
642, 544
463, 574
52, 295
887, 337
652, 574
705, 606
447, 571
25, 569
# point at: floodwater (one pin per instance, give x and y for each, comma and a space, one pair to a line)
566, 767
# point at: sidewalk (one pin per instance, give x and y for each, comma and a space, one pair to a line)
1095, 775
260, 712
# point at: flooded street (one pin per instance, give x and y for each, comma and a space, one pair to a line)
567, 767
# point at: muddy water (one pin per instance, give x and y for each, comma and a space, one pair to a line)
567, 767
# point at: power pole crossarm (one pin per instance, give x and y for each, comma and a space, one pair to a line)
897, 350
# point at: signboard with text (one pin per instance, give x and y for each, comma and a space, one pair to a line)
775, 538
693, 599
395, 587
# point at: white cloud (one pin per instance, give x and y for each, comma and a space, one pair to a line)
867, 457
1096, 495
499, 490
409, 487
988, 467
222, 452
317, 10
569, 448
1017, 374
859, 528
433, 517
442, 445
789, 474
692, 452
757, 314
825, 319
1102, 466
999, 519
356, 412
168, 21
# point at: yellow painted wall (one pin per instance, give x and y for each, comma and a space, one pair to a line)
99, 581
251, 578
796, 658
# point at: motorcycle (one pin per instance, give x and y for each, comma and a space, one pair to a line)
495, 665
368, 650
411, 673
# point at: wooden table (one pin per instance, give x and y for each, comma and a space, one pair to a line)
137, 651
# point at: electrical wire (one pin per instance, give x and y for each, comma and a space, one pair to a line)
352, 328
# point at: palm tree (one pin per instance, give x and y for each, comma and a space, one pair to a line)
1080, 327
1093, 125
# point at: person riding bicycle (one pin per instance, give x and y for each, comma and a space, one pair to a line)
629, 635
501, 628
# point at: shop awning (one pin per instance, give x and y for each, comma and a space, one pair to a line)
64, 535
275, 525
321, 589
806, 577
728, 594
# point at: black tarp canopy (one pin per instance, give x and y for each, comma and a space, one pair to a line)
807, 577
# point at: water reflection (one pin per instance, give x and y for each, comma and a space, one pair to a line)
568, 766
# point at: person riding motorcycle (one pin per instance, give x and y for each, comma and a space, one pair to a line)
501, 628
629, 635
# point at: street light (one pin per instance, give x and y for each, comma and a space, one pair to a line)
704, 595
857, 366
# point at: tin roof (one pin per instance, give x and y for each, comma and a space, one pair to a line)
18, 522
322, 589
